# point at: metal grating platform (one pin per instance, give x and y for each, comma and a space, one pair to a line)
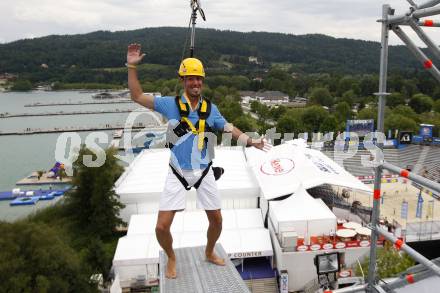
196, 275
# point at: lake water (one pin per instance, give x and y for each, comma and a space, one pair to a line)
22, 154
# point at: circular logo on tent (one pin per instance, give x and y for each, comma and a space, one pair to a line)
344, 274
340, 245
315, 247
279, 166
302, 248
328, 246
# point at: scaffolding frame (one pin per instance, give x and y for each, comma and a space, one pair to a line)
426, 267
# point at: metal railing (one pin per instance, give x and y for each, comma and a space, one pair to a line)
422, 231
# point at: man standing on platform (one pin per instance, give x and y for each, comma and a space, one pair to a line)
193, 118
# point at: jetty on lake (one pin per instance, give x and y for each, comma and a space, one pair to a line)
44, 179
8, 115
39, 104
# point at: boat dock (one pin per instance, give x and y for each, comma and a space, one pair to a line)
30, 131
121, 101
30, 197
9, 195
6, 115
32, 179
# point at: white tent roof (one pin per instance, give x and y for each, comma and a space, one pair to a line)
279, 172
243, 235
300, 206
302, 213
196, 221
144, 179
133, 250
288, 166
145, 175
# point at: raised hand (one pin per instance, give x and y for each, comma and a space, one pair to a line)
134, 55
262, 144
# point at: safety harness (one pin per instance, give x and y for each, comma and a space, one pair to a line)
185, 126
201, 125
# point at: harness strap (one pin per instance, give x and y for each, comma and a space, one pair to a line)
203, 112
183, 180
190, 125
201, 141
204, 173
183, 107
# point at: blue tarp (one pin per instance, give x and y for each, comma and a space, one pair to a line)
256, 268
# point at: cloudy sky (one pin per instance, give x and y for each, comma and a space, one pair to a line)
339, 18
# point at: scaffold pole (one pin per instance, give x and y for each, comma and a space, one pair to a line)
428, 23
427, 63
413, 12
406, 280
386, 10
428, 4
400, 245
391, 22
414, 177
425, 38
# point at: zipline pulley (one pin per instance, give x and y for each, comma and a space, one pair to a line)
195, 6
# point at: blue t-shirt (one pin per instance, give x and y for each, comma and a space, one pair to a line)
185, 152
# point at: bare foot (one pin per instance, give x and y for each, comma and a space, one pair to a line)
215, 259
171, 269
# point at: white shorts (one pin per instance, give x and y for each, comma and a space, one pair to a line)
173, 197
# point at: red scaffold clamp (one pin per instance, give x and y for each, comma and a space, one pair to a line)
376, 194
427, 64
404, 173
398, 244
410, 279
428, 22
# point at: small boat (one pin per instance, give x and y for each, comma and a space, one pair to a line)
49, 196
56, 193
24, 200
104, 95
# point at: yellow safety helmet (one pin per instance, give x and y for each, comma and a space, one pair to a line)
191, 66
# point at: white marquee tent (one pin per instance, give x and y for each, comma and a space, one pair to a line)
141, 184
302, 213
290, 166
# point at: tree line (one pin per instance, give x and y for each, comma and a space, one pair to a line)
339, 74
220, 50
332, 100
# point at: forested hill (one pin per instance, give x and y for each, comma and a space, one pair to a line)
102, 49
